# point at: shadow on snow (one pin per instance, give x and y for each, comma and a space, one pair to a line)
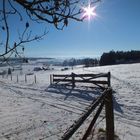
84, 93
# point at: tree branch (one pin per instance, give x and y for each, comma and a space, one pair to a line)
55, 12
7, 28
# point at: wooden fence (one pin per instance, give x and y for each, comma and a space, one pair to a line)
24, 78
105, 99
82, 78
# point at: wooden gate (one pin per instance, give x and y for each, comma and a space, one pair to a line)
105, 99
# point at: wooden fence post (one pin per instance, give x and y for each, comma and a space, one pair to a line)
11, 77
25, 78
17, 78
109, 116
73, 79
35, 78
109, 81
50, 79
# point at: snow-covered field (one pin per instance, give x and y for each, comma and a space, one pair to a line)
37, 111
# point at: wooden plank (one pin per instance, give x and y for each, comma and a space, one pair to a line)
82, 75
83, 117
93, 121
60, 75
92, 75
81, 81
60, 80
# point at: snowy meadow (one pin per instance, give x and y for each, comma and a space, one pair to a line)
36, 111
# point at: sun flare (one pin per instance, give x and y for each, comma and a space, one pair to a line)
89, 12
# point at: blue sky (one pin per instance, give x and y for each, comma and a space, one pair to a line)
117, 27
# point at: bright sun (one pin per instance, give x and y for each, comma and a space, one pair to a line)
89, 12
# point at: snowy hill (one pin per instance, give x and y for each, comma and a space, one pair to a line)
30, 110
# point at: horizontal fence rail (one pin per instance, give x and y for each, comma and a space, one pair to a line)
81, 78
82, 81
83, 75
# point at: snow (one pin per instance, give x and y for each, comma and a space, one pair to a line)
37, 111
126, 85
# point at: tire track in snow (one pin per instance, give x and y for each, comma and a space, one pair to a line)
13, 130
44, 99
38, 98
40, 93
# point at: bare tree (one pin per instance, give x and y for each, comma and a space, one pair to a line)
55, 12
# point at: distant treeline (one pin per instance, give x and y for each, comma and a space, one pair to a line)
12, 61
87, 62
119, 57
